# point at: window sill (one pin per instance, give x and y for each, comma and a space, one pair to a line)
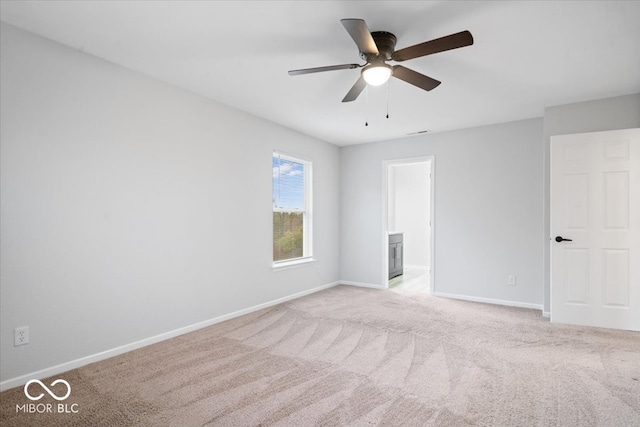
285, 265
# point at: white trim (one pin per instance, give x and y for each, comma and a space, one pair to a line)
546, 314
77, 363
289, 210
490, 300
361, 285
418, 267
298, 262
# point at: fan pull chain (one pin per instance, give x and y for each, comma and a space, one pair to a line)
387, 99
366, 105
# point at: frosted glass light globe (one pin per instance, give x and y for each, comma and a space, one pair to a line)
375, 75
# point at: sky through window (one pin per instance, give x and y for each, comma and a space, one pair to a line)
288, 183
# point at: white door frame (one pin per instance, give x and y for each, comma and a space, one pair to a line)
385, 215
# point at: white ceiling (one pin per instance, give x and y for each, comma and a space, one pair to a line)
526, 56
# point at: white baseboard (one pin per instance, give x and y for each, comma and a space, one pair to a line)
362, 285
490, 301
418, 267
77, 363
546, 314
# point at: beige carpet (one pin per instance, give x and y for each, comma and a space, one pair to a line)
361, 357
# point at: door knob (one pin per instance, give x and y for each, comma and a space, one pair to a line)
562, 239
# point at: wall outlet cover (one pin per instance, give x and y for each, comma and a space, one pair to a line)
21, 336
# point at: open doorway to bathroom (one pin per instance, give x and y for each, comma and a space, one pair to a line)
408, 224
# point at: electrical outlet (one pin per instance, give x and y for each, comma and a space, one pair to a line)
511, 281
21, 336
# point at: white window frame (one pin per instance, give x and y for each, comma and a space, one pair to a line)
307, 217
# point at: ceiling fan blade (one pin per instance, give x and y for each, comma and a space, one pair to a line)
356, 89
320, 69
453, 41
360, 34
414, 78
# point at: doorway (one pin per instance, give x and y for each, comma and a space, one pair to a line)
408, 224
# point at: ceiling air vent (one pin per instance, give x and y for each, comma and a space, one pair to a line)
419, 132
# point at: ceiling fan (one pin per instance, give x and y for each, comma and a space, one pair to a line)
378, 47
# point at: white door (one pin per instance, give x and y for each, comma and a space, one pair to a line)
595, 202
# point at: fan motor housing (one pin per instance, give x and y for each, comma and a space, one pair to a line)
386, 43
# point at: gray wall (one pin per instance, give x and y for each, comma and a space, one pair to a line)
131, 208
488, 220
622, 112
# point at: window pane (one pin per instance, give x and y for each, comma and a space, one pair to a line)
287, 235
288, 183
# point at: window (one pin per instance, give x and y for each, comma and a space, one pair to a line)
291, 209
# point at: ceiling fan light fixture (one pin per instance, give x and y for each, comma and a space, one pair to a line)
376, 74
380, 46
